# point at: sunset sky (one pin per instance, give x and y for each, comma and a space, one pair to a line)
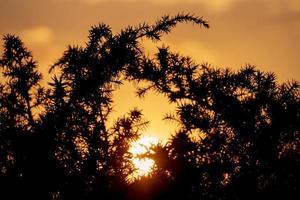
264, 33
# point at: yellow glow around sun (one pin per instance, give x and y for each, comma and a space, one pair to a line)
143, 166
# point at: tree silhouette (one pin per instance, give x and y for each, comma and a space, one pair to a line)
21, 94
244, 122
238, 135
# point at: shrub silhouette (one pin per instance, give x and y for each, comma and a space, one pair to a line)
238, 135
247, 128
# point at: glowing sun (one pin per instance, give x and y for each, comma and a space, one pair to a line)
143, 165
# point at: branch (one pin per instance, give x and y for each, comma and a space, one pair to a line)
166, 23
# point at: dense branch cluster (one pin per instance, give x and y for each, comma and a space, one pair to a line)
238, 135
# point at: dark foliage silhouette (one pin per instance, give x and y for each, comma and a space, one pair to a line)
246, 127
238, 135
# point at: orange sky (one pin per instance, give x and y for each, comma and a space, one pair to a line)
265, 33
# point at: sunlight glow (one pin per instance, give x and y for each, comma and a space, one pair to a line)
143, 165
143, 145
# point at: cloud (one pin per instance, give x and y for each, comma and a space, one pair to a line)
212, 5
294, 5
40, 35
218, 5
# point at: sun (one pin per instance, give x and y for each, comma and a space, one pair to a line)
143, 166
